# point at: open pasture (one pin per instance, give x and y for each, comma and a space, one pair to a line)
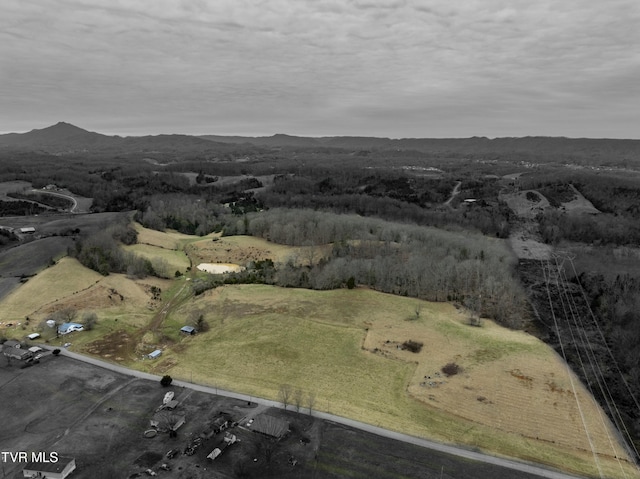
244, 249
69, 285
170, 259
171, 240
513, 395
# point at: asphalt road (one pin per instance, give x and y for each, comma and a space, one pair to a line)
75, 203
529, 468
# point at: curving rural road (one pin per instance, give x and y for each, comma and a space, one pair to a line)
75, 203
529, 468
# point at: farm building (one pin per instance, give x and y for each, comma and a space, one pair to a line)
50, 470
188, 330
270, 426
163, 421
28, 230
220, 423
154, 354
66, 328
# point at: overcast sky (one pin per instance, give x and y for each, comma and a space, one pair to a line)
393, 68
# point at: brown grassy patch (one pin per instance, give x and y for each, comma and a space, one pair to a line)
243, 249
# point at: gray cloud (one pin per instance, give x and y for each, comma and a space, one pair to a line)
375, 67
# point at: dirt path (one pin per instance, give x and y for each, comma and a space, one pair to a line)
455, 192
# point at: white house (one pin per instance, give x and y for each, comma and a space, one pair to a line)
66, 328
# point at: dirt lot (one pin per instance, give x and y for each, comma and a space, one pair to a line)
99, 417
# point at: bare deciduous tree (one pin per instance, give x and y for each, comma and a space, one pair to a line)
89, 320
285, 394
298, 394
311, 401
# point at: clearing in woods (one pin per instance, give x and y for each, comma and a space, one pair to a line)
513, 395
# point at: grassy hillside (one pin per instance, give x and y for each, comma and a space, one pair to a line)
512, 395
342, 347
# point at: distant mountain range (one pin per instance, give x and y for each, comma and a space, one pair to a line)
538, 144
66, 138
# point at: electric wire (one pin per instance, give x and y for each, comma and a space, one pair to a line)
547, 276
569, 305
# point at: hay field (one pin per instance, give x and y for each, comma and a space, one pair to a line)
169, 239
513, 397
174, 260
243, 249
65, 278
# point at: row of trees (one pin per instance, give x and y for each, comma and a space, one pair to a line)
103, 252
409, 260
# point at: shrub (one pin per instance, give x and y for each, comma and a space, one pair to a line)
56, 351
413, 346
166, 380
351, 282
451, 369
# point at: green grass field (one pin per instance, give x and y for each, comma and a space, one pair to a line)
262, 337
341, 346
162, 258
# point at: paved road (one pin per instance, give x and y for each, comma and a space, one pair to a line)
75, 203
529, 468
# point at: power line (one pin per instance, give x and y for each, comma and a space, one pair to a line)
569, 305
569, 372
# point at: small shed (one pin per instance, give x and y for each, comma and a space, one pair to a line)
33, 336
51, 470
28, 230
154, 354
188, 330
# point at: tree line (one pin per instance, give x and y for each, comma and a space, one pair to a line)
403, 259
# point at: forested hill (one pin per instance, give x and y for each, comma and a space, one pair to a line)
66, 138
612, 149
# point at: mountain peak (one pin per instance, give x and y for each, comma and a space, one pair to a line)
64, 126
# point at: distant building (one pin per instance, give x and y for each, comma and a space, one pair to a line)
188, 330
50, 470
154, 354
66, 328
28, 230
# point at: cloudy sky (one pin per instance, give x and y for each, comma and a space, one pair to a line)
394, 68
